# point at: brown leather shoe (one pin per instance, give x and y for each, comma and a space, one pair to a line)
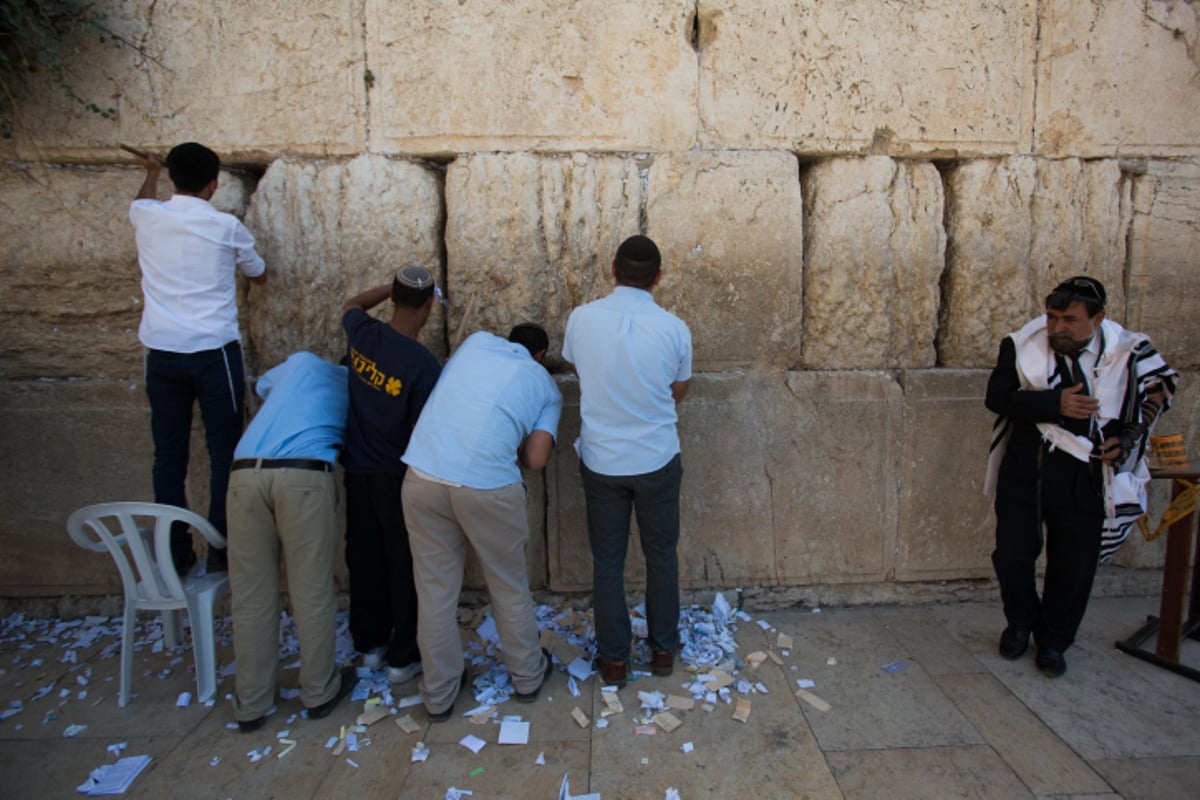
663, 663
614, 673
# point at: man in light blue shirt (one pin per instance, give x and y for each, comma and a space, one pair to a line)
282, 495
634, 361
493, 407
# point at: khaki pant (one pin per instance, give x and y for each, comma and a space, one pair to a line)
442, 520
293, 510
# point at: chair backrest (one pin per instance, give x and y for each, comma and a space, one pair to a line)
138, 537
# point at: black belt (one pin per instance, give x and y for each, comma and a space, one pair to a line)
283, 463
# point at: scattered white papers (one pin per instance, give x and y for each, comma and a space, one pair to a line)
687, 747
289, 694
580, 669
472, 743
185, 699
805, 683
116, 749
420, 752
457, 794
73, 731
564, 791
514, 732
114, 778
541, 759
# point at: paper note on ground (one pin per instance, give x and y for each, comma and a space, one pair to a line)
813, 700
514, 732
472, 743
741, 711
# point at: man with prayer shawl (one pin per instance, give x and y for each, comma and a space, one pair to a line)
1076, 397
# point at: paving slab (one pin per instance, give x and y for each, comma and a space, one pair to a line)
925, 638
1039, 758
872, 708
505, 772
1153, 778
187, 771
906, 774
31, 769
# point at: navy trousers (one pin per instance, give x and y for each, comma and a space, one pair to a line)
175, 382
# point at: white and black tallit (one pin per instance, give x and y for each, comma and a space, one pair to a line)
1127, 369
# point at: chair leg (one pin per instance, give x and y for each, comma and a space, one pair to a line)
200, 613
127, 635
172, 625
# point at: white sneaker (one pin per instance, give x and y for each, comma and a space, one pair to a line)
404, 674
373, 659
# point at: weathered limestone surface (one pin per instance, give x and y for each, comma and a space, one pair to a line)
64, 445
797, 487
873, 255
528, 238
249, 79
70, 289
831, 76
1016, 227
329, 230
600, 75
729, 228
1164, 239
1118, 78
946, 526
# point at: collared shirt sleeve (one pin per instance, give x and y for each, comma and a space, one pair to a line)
249, 262
548, 418
684, 371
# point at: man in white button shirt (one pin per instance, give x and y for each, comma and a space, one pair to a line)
189, 254
634, 361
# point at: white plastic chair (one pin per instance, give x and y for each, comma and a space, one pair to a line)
126, 531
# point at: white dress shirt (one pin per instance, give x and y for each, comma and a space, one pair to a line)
189, 253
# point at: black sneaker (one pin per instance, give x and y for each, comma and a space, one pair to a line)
349, 678
529, 697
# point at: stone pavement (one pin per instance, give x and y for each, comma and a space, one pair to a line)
956, 721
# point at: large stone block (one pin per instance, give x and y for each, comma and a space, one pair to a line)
945, 521
249, 79
480, 76
528, 238
792, 489
71, 298
329, 230
729, 227
831, 76
1016, 227
874, 250
1164, 276
1118, 78
65, 444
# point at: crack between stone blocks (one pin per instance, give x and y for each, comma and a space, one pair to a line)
368, 78
1037, 58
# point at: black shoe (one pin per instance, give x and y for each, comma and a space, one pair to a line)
1013, 643
349, 678
442, 716
1051, 662
529, 697
251, 725
217, 561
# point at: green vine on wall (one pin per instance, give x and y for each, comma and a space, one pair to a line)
38, 37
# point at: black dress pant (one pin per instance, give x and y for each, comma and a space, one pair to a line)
1072, 539
383, 595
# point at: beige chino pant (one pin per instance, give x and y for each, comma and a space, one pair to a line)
293, 510
442, 520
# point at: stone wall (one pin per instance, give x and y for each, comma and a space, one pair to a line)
856, 199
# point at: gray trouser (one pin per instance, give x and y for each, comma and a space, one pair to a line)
442, 520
